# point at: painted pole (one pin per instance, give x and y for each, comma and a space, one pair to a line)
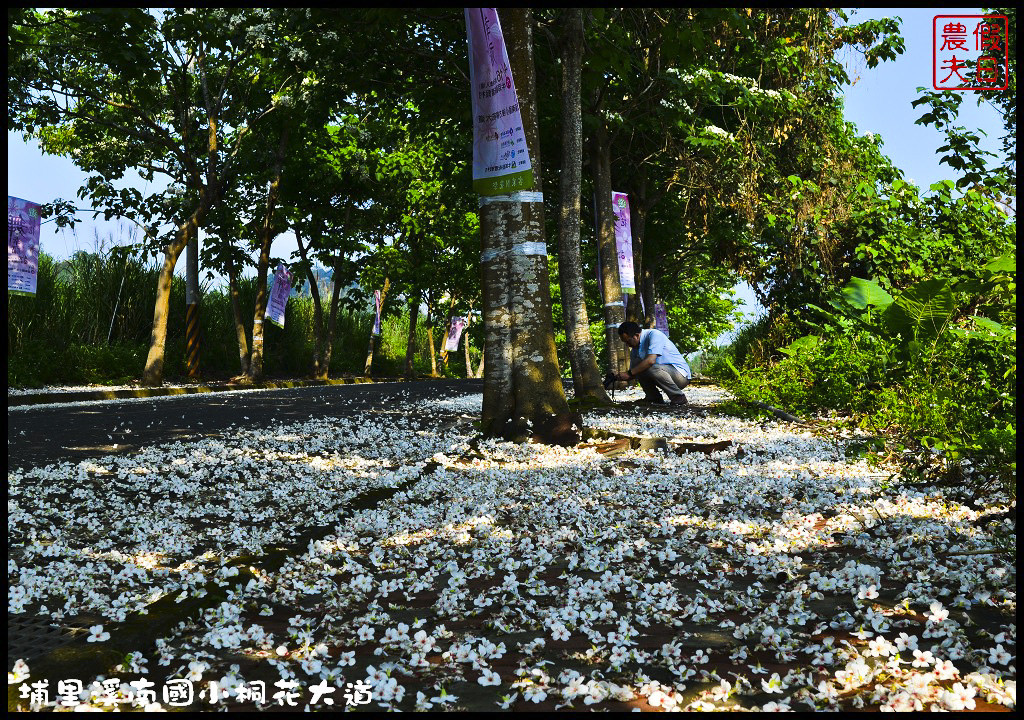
192, 306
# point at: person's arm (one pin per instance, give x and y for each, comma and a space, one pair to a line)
640, 367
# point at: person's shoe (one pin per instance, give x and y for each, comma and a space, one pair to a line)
650, 401
679, 399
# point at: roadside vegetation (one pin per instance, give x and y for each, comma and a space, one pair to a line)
918, 347
91, 317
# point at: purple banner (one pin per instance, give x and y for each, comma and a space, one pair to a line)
22, 246
279, 296
377, 301
501, 163
660, 317
623, 241
455, 329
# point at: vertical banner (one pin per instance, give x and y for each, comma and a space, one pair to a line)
22, 246
501, 162
377, 301
279, 296
623, 242
660, 317
455, 328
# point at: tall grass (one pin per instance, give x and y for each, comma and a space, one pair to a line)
91, 318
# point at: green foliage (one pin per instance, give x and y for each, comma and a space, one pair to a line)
918, 366
60, 335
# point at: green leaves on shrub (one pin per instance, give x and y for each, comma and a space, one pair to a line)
860, 293
807, 342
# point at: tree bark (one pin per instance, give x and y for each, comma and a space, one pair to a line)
614, 310
236, 312
410, 346
465, 335
375, 339
332, 318
636, 310
266, 235
587, 380
318, 370
480, 367
430, 334
154, 372
522, 383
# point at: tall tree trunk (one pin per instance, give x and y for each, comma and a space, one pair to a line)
444, 345
236, 313
465, 335
410, 346
430, 333
480, 367
614, 311
332, 318
153, 374
522, 382
649, 296
255, 371
636, 310
266, 235
375, 339
582, 359
319, 370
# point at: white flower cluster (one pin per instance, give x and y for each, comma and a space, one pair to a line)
747, 83
539, 573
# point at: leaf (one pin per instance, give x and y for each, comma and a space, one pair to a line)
860, 293
921, 310
805, 344
991, 331
732, 367
1003, 264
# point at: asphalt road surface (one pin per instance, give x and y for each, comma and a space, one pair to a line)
41, 435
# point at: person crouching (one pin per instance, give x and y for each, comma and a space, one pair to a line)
655, 363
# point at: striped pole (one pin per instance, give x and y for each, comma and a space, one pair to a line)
192, 340
192, 306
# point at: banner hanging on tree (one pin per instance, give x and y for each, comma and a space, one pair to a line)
623, 242
279, 296
22, 246
660, 317
377, 302
455, 329
501, 162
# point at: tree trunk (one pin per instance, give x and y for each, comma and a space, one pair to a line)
332, 318
154, 372
614, 311
465, 335
236, 313
430, 335
266, 238
444, 346
649, 295
638, 309
410, 346
522, 383
586, 376
255, 370
375, 339
319, 370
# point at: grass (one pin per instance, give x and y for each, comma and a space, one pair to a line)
91, 319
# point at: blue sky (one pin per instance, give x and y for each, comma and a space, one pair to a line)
877, 102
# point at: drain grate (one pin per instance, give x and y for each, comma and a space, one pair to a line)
31, 636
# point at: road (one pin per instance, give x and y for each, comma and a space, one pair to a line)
41, 435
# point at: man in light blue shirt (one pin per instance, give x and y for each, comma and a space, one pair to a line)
655, 363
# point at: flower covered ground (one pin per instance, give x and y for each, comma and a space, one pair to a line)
400, 562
